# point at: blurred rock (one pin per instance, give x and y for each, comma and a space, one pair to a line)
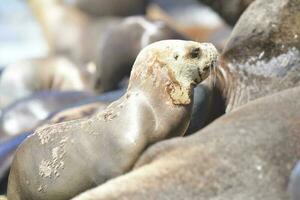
26, 77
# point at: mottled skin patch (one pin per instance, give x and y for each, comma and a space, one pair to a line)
71, 157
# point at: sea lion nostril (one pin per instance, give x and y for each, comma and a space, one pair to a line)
195, 52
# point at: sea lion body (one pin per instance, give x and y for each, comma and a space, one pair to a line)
248, 153
120, 45
77, 155
27, 77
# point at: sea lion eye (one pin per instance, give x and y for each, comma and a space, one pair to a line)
195, 52
176, 57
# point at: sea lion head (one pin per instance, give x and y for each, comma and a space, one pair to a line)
180, 64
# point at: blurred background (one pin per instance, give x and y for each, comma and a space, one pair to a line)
21, 35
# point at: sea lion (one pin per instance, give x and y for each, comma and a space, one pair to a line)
249, 152
60, 21
157, 105
29, 76
262, 56
27, 113
246, 154
120, 45
110, 8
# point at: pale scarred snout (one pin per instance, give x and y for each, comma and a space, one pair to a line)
190, 62
207, 55
201, 59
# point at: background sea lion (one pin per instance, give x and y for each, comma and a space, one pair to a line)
29, 76
47, 107
70, 32
86, 107
241, 155
110, 8
121, 44
157, 105
29, 112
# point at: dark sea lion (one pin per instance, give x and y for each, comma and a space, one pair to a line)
29, 76
73, 156
110, 8
246, 154
7, 149
262, 55
208, 105
121, 44
29, 112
